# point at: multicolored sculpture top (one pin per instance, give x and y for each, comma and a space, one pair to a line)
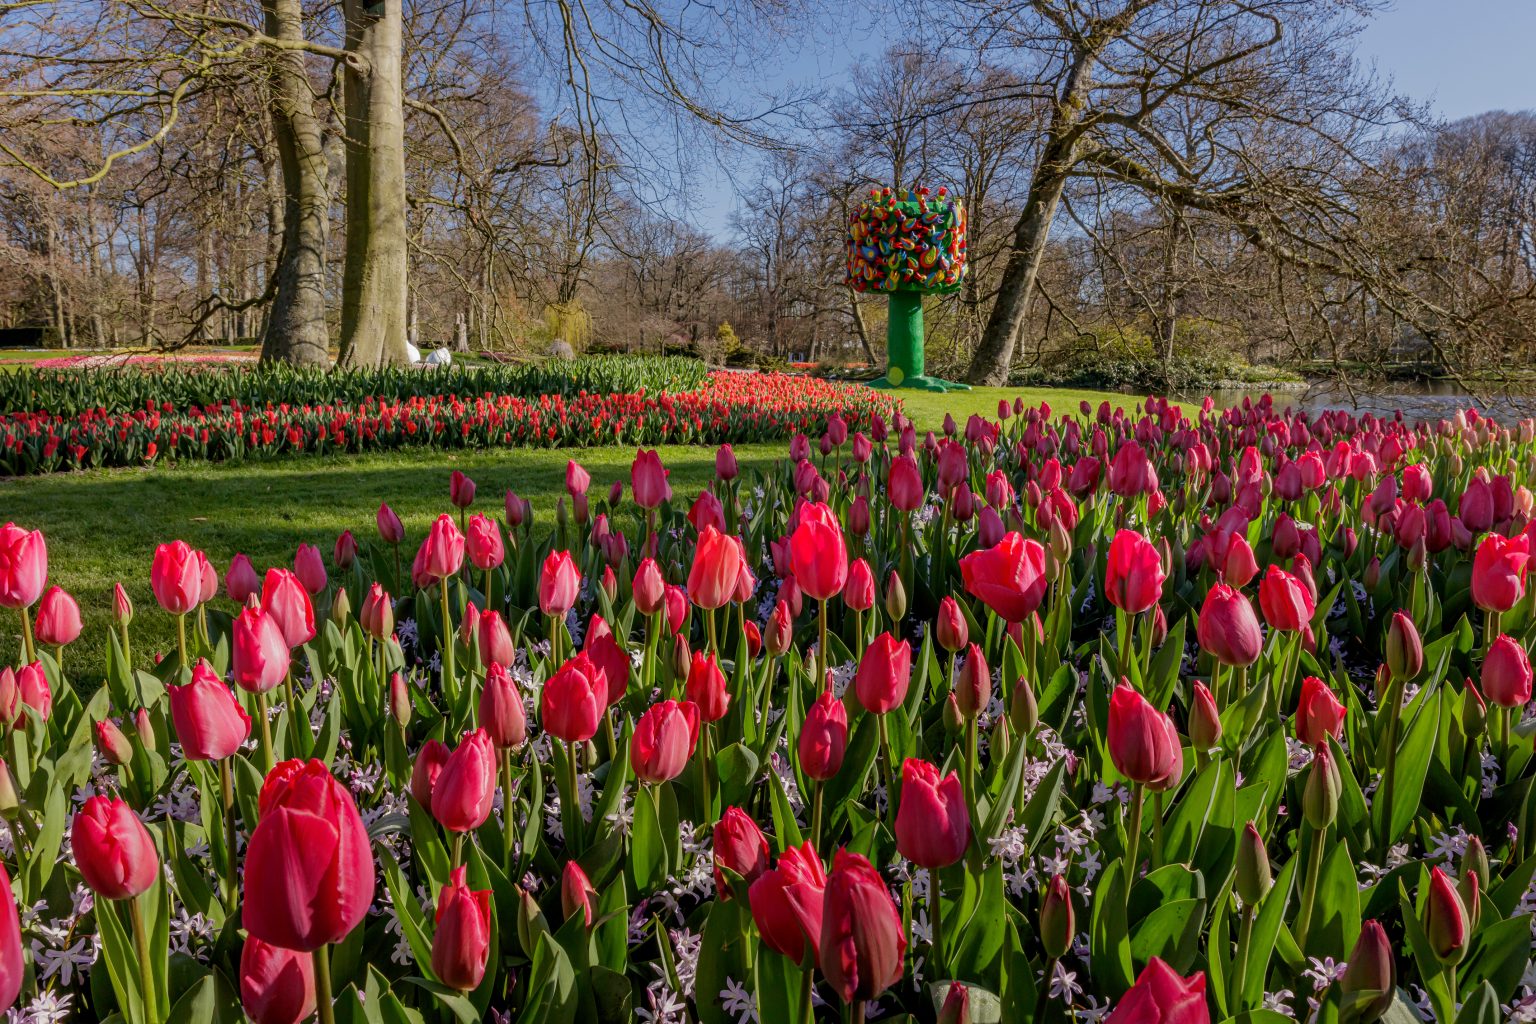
907, 247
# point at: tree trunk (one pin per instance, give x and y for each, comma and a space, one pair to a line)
296, 329
862, 329
373, 301
994, 356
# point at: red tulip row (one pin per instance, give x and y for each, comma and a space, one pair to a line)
731, 407
1155, 719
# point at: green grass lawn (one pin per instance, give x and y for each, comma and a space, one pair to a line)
103, 525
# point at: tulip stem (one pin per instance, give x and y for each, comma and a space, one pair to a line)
1157, 830
506, 808
807, 984
570, 802
324, 1001
935, 903
458, 850
227, 789
821, 644
26, 635
448, 674
127, 654
1309, 889
704, 759
146, 971
1133, 837
885, 761
970, 761
1244, 940
1505, 714
181, 639
709, 624
856, 1011
816, 788
267, 758
1392, 704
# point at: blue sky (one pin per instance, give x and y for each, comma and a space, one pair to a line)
1461, 56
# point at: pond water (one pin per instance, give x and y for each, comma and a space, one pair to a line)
1429, 400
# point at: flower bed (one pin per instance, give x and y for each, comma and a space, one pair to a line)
728, 407
1165, 718
159, 383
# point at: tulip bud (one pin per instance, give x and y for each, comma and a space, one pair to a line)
122, 607
144, 729
1023, 712
1060, 539
10, 803
1204, 719
341, 608
1474, 712
530, 922
895, 597
1475, 860
1001, 742
1320, 796
399, 700
1405, 651
952, 631
954, 718
957, 1005
610, 584
1369, 982
1470, 889
1253, 875
973, 683
1056, 918
1445, 919
682, 656
114, 746
781, 630
1373, 573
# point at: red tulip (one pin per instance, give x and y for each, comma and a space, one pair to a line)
259, 653
1009, 578
577, 480
1404, 647
209, 722
823, 738
424, 772
23, 566
650, 588
1285, 600
309, 876
739, 846
284, 598
58, 618
1498, 572
611, 659
952, 631
707, 513
573, 700
1319, 713
559, 583
113, 850
1131, 472
905, 484
648, 479
787, 901
675, 601
1239, 567
344, 553
884, 673
1506, 675
725, 463
862, 944
818, 555
973, 683
501, 709
1143, 743
1372, 971
391, 531
242, 581
309, 567
496, 646
664, 740
33, 690
1134, 576
1228, 629
707, 687
716, 563
576, 892
933, 826
1445, 918
122, 606
483, 543
442, 553
176, 577
462, 944
461, 490
277, 985
1162, 996
462, 795
859, 592
378, 615
112, 744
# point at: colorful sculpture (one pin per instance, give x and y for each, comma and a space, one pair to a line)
907, 248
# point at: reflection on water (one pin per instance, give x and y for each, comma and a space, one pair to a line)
1429, 401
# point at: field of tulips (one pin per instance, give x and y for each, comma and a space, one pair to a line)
1158, 717
725, 407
